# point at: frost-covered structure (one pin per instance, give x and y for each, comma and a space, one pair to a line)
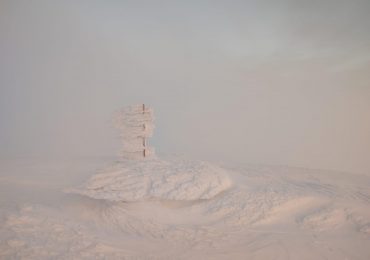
135, 125
134, 179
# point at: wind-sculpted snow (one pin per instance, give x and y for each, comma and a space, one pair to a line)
156, 180
191, 210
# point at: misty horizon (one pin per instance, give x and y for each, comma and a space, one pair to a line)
268, 82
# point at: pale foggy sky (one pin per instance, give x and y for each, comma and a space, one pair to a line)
277, 82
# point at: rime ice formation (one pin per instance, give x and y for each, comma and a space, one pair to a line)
134, 179
157, 180
135, 125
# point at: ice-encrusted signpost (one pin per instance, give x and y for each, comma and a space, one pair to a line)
140, 179
135, 125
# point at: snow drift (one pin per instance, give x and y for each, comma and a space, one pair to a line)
156, 179
264, 213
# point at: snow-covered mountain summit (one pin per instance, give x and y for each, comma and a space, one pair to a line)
156, 179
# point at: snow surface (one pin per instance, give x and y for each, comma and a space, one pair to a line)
132, 180
179, 209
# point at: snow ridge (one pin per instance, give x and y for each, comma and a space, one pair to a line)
156, 179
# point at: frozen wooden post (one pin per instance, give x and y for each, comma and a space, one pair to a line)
144, 141
136, 126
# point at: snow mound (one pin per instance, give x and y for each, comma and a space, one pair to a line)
270, 212
156, 180
325, 219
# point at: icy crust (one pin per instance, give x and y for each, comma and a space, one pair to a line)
156, 179
269, 213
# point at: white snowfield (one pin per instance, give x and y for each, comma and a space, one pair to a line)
182, 210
